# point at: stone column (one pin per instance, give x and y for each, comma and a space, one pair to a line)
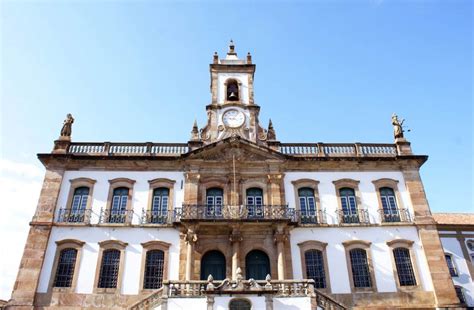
428, 234
235, 239
275, 189
191, 188
280, 239
191, 239
26, 283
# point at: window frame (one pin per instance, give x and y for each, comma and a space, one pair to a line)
114, 184
150, 246
320, 246
313, 184
364, 245
407, 244
75, 184
393, 184
62, 245
160, 183
354, 185
108, 245
455, 267
461, 292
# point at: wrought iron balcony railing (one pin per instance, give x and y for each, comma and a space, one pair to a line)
73, 216
395, 216
115, 216
239, 212
156, 217
311, 217
358, 217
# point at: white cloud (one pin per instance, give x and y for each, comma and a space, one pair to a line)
20, 185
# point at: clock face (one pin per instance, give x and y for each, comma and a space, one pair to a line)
233, 118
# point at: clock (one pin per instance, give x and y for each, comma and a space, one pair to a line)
233, 118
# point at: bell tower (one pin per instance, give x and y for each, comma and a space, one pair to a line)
232, 111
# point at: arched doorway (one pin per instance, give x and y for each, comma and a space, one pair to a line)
213, 263
257, 265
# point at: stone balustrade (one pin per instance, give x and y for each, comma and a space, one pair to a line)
338, 149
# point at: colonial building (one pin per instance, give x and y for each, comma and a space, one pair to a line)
233, 219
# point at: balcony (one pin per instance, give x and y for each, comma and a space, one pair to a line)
240, 212
160, 217
311, 217
115, 216
73, 216
395, 216
348, 218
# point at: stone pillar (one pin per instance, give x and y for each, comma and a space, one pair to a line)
280, 239
26, 283
268, 302
191, 239
191, 188
275, 189
235, 239
428, 233
210, 302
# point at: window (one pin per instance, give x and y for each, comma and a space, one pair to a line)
65, 268
348, 205
118, 209
389, 205
314, 263
214, 200
460, 294
213, 263
315, 267
450, 262
79, 204
255, 203
109, 269
257, 265
406, 275
159, 207
307, 205
360, 268
153, 277
232, 90
239, 304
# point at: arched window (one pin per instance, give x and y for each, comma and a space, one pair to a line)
406, 275
214, 200
118, 209
232, 90
307, 205
213, 263
109, 269
159, 205
360, 268
349, 205
451, 266
257, 265
78, 205
239, 304
255, 202
314, 262
389, 205
154, 263
65, 268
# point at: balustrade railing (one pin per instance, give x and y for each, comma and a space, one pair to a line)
73, 216
338, 149
353, 217
238, 212
115, 216
114, 149
395, 216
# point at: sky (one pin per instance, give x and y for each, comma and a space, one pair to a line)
137, 71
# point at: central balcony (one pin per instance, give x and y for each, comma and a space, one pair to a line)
239, 212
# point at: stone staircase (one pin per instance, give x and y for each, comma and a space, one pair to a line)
208, 289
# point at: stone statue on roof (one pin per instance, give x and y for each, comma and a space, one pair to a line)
67, 126
397, 126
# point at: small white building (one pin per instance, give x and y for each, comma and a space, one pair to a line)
233, 219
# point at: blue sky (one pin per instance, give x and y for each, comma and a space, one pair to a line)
330, 71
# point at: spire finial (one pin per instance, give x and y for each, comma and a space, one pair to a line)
195, 132
271, 135
231, 48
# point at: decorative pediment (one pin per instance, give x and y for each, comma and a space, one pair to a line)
235, 148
